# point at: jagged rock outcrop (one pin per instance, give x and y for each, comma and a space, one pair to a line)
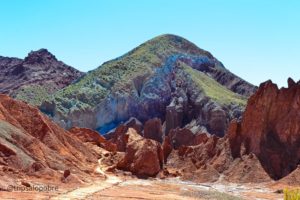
119, 136
263, 145
143, 157
6, 62
36, 77
270, 128
167, 77
174, 114
135, 124
211, 160
191, 106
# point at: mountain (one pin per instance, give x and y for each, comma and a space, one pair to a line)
167, 77
36, 77
261, 147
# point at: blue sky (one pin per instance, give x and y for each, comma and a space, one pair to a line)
255, 39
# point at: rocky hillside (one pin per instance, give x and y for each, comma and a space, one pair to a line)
36, 77
264, 145
261, 147
167, 77
31, 145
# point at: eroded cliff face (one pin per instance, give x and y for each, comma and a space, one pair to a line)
167, 74
270, 127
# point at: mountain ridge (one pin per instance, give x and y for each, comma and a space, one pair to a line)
35, 77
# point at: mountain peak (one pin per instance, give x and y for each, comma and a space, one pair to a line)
171, 39
170, 43
40, 56
168, 37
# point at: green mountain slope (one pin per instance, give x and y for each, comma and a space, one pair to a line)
118, 73
143, 82
213, 89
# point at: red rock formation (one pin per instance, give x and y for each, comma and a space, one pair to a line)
270, 128
217, 121
184, 137
143, 157
212, 159
264, 145
179, 137
153, 130
88, 135
119, 136
31, 143
135, 124
167, 148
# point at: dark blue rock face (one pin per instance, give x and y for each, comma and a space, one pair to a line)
108, 127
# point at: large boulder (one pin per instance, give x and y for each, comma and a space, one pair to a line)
143, 157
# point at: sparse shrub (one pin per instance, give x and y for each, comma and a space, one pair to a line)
291, 194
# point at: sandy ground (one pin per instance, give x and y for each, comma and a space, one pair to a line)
115, 187
122, 187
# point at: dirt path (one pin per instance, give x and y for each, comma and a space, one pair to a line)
114, 187
84, 192
96, 187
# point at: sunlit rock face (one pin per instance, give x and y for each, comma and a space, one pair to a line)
270, 127
32, 145
143, 157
